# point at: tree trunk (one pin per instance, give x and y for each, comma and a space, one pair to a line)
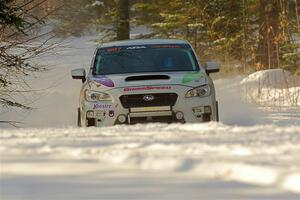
267, 57
123, 28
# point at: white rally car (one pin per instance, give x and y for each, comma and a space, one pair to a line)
138, 81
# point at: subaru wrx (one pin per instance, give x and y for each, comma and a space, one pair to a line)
139, 81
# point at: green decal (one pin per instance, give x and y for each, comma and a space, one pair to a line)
192, 76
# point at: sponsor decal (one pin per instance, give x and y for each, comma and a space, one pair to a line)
105, 81
136, 47
165, 46
111, 113
127, 89
192, 76
114, 49
101, 106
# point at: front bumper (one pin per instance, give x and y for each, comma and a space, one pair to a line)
108, 113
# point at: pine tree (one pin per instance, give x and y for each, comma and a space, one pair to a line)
123, 29
252, 34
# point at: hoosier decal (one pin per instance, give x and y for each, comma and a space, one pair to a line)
102, 106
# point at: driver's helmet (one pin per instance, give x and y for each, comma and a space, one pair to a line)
168, 62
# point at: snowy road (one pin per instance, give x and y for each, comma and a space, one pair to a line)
251, 154
156, 161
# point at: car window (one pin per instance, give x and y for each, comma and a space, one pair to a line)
145, 59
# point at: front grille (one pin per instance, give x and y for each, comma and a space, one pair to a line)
160, 99
160, 119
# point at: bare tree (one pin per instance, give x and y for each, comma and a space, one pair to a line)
268, 34
19, 43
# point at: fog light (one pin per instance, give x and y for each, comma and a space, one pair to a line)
122, 118
179, 115
90, 114
207, 109
206, 117
198, 110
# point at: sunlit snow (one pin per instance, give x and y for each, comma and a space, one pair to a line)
253, 153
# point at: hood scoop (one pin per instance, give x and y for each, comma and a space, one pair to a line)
147, 77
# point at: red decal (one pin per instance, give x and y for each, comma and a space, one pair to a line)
111, 113
127, 89
115, 49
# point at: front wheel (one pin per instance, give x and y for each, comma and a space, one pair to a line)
78, 117
217, 111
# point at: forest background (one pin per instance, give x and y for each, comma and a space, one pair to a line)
243, 35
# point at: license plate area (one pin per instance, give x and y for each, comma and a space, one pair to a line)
150, 109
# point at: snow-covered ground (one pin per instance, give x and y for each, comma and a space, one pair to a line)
156, 161
252, 154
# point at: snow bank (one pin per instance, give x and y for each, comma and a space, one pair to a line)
273, 78
273, 87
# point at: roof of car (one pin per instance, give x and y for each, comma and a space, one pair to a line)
143, 42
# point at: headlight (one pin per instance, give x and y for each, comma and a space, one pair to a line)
201, 91
96, 96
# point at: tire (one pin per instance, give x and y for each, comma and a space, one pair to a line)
217, 111
78, 117
90, 122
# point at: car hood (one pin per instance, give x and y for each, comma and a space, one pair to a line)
190, 79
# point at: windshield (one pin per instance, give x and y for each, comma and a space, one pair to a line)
146, 58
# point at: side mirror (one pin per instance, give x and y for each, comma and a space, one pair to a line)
78, 74
212, 67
